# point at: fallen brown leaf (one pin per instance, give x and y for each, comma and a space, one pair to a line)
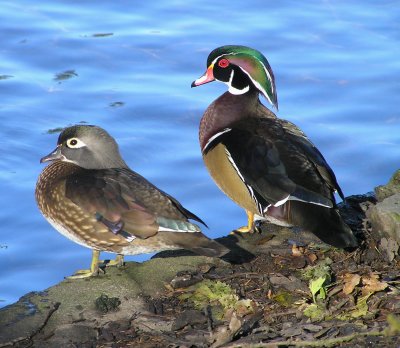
312, 257
297, 251
350, 282
372, 284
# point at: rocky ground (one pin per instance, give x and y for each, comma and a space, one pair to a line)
275, 289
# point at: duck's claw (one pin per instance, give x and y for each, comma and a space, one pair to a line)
94, 268
250, 228
118, 261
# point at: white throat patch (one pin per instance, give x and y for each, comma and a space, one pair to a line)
234, 90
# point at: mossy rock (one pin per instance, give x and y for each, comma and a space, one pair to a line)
52, 312
391, 188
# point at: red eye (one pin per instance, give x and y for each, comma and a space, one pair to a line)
223, 63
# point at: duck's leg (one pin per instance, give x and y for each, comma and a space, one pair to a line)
250, 224
118, 261
94, 267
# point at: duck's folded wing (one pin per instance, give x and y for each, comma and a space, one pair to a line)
262, 165
126, 203
297, 137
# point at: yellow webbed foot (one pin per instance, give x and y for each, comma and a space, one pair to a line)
250, 224
83, 273
94, 268
118, 261
243, 229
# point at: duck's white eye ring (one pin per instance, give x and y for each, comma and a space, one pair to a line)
75, 143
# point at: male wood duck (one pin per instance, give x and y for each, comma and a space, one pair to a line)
266, 165
90, 195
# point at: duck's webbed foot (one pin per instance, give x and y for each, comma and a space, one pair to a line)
94, 268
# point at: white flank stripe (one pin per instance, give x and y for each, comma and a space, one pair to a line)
294, 198
260, 209
214, 137
266, 209
165, 229
130, 239
282, 201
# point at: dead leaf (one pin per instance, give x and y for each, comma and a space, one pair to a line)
224, 334
269, 294
244, 307
297, 251
312, 257
360, 309
235, 324
372, 284
350, 282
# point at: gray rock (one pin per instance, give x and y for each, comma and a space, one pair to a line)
389, 247
49, 319
188, 317
385, 217
391, 188
24, 319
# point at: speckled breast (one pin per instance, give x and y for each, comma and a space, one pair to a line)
67, 217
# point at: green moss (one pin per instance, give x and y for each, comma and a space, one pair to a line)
315, 312
284, 298
391, 188
219, 295
395, 216
211, 292
106, 304
394, 325
360, 310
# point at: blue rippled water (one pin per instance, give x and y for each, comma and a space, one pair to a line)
127, 66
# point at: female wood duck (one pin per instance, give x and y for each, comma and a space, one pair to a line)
89, 194
266, 165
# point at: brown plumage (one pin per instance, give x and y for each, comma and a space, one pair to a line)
108, 207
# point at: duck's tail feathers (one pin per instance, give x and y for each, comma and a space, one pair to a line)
325, 223
199, 244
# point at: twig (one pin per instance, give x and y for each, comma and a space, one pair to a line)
280, 314
329, 342
248, 275
348, 257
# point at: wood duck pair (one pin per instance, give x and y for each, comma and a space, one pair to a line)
89, 194
266, 165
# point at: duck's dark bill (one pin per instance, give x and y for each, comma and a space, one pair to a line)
55, 155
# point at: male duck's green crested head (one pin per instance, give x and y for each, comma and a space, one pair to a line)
241, 68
